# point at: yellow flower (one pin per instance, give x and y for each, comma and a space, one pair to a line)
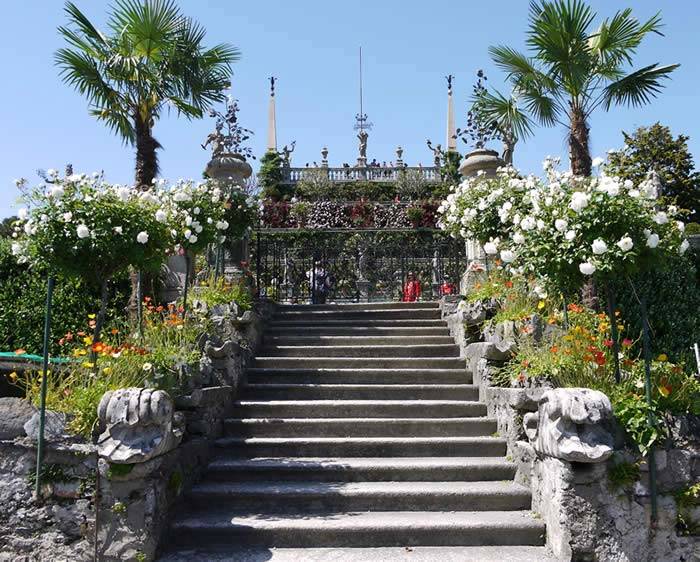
87, 340
13, 376
663, 358
107, 370
88, 365
92, 316
540, 305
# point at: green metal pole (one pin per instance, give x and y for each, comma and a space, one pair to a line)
44, 384
651, 421
187, 282
139, 304
613, 330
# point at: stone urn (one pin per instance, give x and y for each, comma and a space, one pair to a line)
481, 159
230, 168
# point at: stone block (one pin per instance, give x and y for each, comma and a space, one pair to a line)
14, 413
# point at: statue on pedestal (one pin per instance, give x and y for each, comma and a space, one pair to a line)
437, 153
362, 136
286, 154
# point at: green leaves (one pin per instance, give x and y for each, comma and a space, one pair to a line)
638, 87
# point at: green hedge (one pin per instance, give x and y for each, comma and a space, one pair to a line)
22, 299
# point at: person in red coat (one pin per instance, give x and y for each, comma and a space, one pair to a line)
448, 288
412, 289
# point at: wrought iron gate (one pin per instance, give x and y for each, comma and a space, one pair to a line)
355, 266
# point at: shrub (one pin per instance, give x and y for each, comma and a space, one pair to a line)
219, 291
270, 177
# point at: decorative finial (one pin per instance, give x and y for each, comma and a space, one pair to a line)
235, 136
272, 85
449, 79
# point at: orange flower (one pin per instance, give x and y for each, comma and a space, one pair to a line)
20, 351
114, 331
508, 284
554, 349
98, 347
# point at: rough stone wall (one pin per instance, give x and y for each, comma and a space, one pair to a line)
587, 518
134, 500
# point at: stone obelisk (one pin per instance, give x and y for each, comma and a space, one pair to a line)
272, 119
451, 141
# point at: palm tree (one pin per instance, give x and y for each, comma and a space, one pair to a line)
511, 123
573, 70
152, 59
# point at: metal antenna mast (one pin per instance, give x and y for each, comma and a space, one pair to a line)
361, 118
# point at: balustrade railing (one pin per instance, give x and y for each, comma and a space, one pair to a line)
369, 173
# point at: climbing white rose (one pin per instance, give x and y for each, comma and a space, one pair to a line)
587, 268
57, 191
598, 161
22, 214
507, 256
528, 223
142, 237
67, 217
518, 238
193, 239
161, 215
490, 248
579, 201
661, 218
599, 247
570, 235
560, 225
124, 193
625, 244
653, 240
82, 231
683, 247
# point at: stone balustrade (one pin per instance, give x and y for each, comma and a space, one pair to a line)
369, 173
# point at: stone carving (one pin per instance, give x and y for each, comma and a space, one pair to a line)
54, 426
286, 154
137, 425
14, 413
572, 424
220, 364
362, 136
437, 153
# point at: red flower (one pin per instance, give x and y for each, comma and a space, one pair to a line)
626, 342
608, 343
599, 358
508, 284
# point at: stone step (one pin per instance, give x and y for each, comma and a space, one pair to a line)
360, 362
364, 314
304, 325
360, 427
384, 528
310, 497
391, 351
358, 554
358, 340
343, 329
365, 446
358, 408
357, 306
359, 376
359, 469
269, 391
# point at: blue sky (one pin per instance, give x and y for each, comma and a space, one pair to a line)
311, 46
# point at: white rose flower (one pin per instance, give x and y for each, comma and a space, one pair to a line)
599, 247
23, 213
124, 193
518, 238
196, 210
507, 256
142, 237
560, 225
661, 218
17, 249
680, 225
67, 217
193, 239
579, 201
51, 172
598, 161
540, 292
528, 223
161, 215
82, 231
653, 240
118, 230
634, 193
587, 268
57, 191
188, 233
490, 248
625, 244
684, 246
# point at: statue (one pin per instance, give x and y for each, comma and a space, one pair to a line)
286, 154
216, 139
362, 136
137, 425
437, 153
572, 424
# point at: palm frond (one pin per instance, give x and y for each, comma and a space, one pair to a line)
543, 107
638, 87
555, 27
618, 38
117, 121
150, 25
84, 26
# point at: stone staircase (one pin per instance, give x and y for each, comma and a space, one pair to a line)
359, 436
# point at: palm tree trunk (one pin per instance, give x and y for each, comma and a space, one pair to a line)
579, 151
146, 156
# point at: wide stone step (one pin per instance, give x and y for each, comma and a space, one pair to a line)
442, 350
359, 469
363, 529
357, 554
265, 362
360, 427
320, 339
358, 408
366, 314
310, 497
356, 306
361, 392
365, 446
343, 329
304, 325
359, 376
